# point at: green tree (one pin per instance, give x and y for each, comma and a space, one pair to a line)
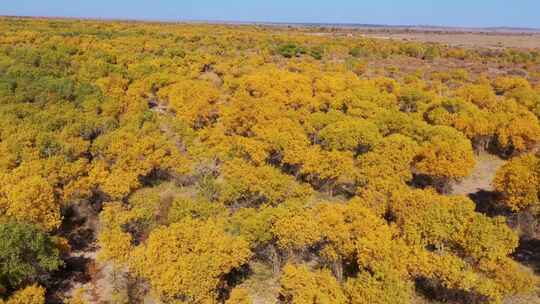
27, 255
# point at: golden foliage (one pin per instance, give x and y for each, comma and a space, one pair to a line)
447, 154
210, 146
29, 295
188, 259
239, 296
301, 286
518, 181
31, 199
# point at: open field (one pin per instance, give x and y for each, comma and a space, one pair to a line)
492, 40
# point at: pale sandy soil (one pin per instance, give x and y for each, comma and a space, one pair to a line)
481, 177
492, 40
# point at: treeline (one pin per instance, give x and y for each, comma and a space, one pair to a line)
210, 148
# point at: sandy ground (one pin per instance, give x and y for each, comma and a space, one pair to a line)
481, 176
491, 40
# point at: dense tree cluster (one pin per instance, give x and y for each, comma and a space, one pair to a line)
210, 147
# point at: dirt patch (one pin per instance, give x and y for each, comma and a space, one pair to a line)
262, 285
79, 228
82, 274
481, 176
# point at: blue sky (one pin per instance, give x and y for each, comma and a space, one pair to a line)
516, 13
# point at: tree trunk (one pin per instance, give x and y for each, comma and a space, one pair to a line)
337, 269
443, 185
274, 258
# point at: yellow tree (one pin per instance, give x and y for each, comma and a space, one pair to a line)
247, 184
457, 247
387, 167
299, 285
446, 155
192, 100
517, 129
188, 260
31, 199
465, 117
387, 289
116, 244
518, 181
295, 231
355, 135
328, 170
504, 84
284, 137
256, 226
481, 95
129, 154
239, 296
352, 234
33, 294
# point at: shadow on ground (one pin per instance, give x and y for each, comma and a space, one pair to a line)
79, 230
487, 202
528, 253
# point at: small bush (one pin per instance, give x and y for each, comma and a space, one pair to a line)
290, 50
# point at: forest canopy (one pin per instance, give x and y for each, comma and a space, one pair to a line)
252, 164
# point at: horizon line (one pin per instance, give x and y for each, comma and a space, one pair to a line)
282, 23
